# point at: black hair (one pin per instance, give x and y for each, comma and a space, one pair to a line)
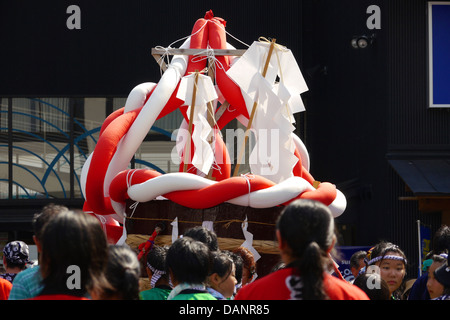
238, 263
373, 285
354, 260
122, 272
73, 238
189, 260
441, 240
204, 235
307, 226
248, 261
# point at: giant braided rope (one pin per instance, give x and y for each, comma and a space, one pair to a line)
107, 183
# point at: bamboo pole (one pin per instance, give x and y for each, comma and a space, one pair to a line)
187, 149
252, 115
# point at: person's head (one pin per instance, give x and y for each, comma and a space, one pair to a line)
305, 234
122, 272
204, 235
238, 266
441, 240
156, 265
435, 288
73, 243
391, 261
357, 262
41, 218
188, 261
248, 269
15, 256
373, 285
222, 276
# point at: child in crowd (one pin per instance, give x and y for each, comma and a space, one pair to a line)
188, 262
373, 285
222, 279
238, 264
434, 286
305, 234
15, 259
442, 274
391, 261
158, 275
204, 235
28, 283
74, 255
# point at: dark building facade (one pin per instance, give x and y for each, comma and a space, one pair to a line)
368, 126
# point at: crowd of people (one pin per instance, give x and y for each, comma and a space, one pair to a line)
77, 263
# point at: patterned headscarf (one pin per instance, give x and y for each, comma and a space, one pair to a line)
16, 252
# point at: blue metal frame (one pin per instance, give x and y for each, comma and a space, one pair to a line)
61, 152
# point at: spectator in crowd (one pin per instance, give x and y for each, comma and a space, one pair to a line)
189, 262
122, 272
28, 283
222, 279
373, 285
5, 289
248, 267
439, 244
204, 235
442, 274
74, 255
305, 234
391, 262
357, 262
238, 266
435, 288
15, 259
157, 274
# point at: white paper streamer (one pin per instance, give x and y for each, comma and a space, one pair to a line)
174, 224
248, 243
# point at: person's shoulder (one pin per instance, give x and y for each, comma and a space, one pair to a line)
338, 289
30, 272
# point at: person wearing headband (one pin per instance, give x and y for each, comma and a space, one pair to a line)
159, 278
15, 259
391, 262
434, 286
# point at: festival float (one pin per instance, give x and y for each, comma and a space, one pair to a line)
211, 83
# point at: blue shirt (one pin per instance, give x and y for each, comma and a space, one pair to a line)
27, 284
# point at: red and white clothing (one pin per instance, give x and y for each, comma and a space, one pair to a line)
285, 284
